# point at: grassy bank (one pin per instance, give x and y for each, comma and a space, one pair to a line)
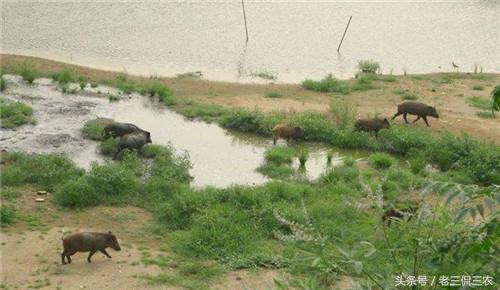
14, 114
299, 227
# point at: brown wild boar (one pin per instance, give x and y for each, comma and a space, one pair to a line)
88, 242
394, 213
286, 131
416, 108
372, 125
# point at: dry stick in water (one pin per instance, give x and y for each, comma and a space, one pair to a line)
345, 31
244, 17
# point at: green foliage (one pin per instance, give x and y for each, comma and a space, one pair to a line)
273, 94
7, 215
381, 160
495, 97
76, 193
279, 155
82, 82
8, 193
63, 77
368, 66
206, 112
161, 91
247, 121
44, 170
364, 82
273, 170
109, 146
27, 71
389, 78
112, 180
94, 84
406, 95
113, 98
327, 84
3, 84
344, 114
93, 129
486, 114
14, 114
478, 87
303, 156
480, 103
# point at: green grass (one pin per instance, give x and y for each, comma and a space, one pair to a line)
327, 84
3, 84
14, 114
93, 129
406, 95
273, 95
368, 66
478, 87
480, 103
27, 71
381, 160
7, 215
279, 155
486, 114
265, 75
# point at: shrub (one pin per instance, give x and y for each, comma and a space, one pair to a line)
346, 174
273, 94
76, 194
246, 121
363, 82
27, 71
113, 98
368, 66
221, 232
406, 95
3, 84
273, 170
82, 82
315, 125
279, 155
112, 180
109, 146
161, 91
94, 85
417, 164
63, 77
478, 87
303, 156
154, 150
344, 114
206, 112
14, 114
93, 129
381, 160
7, 215
327, 84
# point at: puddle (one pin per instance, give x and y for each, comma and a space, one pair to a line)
219, 157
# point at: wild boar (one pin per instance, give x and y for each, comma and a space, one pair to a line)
133, 141
117, 129
371, 125
394, 213
88, 242
286, 131
416, 108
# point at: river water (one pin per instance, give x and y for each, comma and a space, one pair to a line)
219, 157
291, 40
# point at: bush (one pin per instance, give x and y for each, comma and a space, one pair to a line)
7, 215
303, 156
273, 94
246, 121
14, 114
93, 129
112, 180
478, 87
206, 112
221, 232
381, 160
82, 82
76, 194
46, 171
3, 84
273, 170
63, 77
279, 155
368, 66
406, 95
344, 114
27, 71
109, 147
315, 125
327, 84
364, 82
161, 91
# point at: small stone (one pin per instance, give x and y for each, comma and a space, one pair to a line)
40, 199
42, 192
81, 286
238, 278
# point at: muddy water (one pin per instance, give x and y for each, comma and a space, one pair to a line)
219, 158
292, 39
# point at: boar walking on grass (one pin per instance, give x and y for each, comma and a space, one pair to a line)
119, 129
88, 242
372, 125
415, 108
133, 141
287, 132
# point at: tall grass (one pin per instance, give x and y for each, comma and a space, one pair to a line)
368, 66
14, 114
28, 72
327, 84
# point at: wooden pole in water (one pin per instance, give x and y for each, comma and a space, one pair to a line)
244, 17
345, 31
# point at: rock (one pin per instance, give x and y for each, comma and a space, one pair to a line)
40, 199
42, 192
238, 278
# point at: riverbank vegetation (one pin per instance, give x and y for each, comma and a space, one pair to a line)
15, 114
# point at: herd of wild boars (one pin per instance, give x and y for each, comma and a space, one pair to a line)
88, 242
373, 125
131, 136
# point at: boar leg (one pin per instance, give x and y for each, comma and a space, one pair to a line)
90, 255
105, 253
425, 119
404, 117
63, 255
418, 118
